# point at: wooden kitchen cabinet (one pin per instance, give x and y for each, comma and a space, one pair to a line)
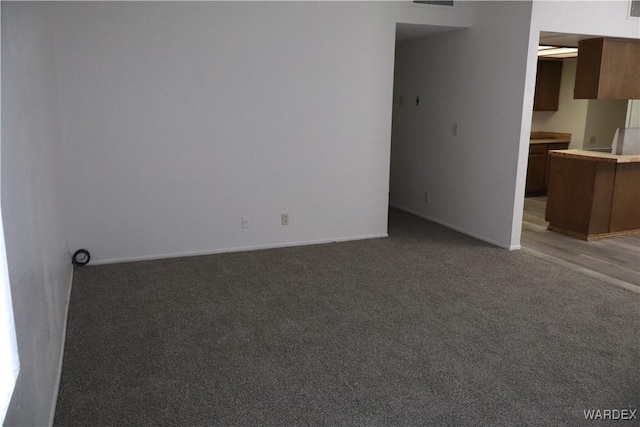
536, 170
547, 85
538, 166
608, 69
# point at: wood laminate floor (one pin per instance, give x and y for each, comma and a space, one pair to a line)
615, 260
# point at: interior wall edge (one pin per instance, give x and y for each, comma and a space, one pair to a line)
61, 357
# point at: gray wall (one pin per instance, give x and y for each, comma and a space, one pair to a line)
180, 118
32, 199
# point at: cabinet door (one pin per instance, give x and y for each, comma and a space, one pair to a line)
547, 85
555, 146
536, 173
625, 206
608, 69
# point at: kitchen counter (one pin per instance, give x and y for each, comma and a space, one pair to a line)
549, 138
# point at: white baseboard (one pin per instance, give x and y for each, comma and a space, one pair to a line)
61, 357
237, 249
456, 228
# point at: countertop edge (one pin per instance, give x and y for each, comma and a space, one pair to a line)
549, 141
596, 156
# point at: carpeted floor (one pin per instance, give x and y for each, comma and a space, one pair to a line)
425, 327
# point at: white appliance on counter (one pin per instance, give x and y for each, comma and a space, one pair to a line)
626, 141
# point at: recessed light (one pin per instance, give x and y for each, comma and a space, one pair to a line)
557, 52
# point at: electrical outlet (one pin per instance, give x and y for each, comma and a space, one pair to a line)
426, 197
246, 222
284, 219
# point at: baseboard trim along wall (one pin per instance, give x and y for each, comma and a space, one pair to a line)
238, 249
453, 227
61, 357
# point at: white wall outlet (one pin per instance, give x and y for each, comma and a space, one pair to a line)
246, 221
426, 197
284, 219
454, 129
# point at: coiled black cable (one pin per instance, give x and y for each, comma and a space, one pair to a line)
81, 258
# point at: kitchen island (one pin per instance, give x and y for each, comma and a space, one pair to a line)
593, 195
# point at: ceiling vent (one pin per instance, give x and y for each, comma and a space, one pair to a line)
438, 2
634, 8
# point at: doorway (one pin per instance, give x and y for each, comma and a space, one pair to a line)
418, 103
591, 125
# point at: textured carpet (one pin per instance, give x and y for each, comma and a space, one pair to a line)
427, 326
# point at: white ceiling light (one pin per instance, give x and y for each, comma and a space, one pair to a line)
557, 52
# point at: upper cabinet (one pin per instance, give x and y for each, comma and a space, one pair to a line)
608, 69
547, 85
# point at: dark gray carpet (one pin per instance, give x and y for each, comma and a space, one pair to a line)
426, 327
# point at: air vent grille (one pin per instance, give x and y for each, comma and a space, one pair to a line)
437, 2
634, 8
